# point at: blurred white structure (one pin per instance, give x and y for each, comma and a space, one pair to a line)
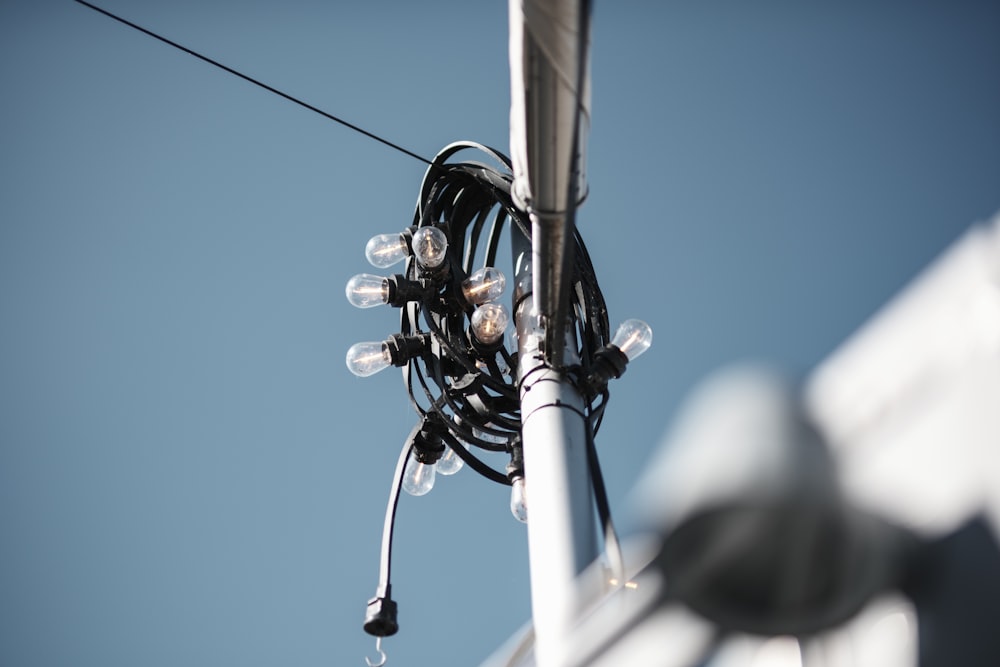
911, 402
911, 407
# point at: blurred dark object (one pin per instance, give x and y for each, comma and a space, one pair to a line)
765, 542
760, 539
954, 582
781, 568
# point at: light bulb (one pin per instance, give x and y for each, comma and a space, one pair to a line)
489, 322
367, 291
633, 338
364, 359
518, 500
450, 462
385, 250
429, 247
486, 284
418, 478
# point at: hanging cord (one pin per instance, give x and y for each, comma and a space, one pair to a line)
612, 546
266, 87
380, 619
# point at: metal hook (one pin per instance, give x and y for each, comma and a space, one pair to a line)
382, 658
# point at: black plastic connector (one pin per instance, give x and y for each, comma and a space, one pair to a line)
402, 290
515, 469
380, 617
485, 351
427, 443
609, 363
403, 348
407, 236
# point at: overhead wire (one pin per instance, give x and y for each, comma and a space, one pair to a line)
256, 82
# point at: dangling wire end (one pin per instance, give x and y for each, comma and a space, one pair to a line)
382, 657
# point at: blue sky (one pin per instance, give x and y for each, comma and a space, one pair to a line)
189, 474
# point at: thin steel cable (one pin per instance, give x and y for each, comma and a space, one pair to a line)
266, 87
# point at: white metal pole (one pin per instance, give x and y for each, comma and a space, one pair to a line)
562, 538
548, 126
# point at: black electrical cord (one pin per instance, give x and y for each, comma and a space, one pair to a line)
473, 462
612, 546
380, 619
385, 560
473, 390
470, 390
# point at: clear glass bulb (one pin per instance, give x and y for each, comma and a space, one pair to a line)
633, 338
518, 500
486, 284
367, 291
385, 250
418, 478
489, 321
429, 247
450, 462
364, 359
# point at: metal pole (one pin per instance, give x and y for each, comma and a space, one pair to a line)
549, 124
562, 538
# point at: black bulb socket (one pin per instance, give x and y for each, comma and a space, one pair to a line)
515, 469
427, 443
404, 348
609, 363
407, 237
485, 350
401, 290
437, 275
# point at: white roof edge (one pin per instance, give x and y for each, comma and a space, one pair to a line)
939, 324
